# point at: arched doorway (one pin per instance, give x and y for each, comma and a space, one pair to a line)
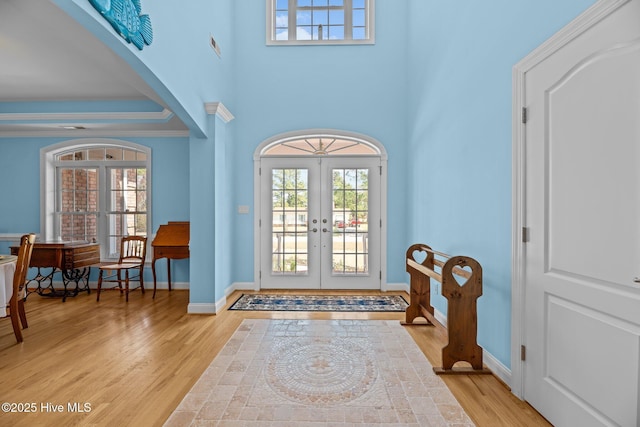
320, 199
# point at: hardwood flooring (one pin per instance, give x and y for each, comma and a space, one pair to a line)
130, 364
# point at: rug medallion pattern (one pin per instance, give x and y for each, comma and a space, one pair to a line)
307, 373
320, 371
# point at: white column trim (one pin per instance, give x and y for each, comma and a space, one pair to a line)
218, 109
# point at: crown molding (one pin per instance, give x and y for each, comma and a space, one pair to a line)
97, 134
163, 115
218, 108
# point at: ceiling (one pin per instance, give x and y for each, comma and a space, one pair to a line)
47, 57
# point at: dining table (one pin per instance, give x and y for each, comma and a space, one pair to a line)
7, 269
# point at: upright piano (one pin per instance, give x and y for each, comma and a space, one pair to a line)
72, 259
171, 242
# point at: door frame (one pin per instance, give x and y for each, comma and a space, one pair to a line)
589, 18
314, 133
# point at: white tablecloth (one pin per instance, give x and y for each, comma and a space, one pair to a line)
7, 268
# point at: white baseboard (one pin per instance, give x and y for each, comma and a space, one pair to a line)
164, 285
242, 286
395, 287
201, 308
498, 369
220, 304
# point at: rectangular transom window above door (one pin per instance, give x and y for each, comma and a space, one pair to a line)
308, 22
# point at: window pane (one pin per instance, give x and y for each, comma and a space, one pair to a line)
282, 35
335, 33
304, 3
320, 17
336, 17
78, 227
129, 155
141, 179
303, 18
358, 4
336, 2
96, 154
359, 18
282, 19
359, 34
114, 154
282, 4
289, 221
303, 33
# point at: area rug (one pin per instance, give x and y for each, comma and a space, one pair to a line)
266, 302
319, 373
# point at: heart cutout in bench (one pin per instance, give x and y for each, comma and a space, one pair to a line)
419, 256
461, 280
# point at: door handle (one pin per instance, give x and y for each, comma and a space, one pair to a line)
315, 230
636, 280
324, 230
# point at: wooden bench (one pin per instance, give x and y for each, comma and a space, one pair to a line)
461, 280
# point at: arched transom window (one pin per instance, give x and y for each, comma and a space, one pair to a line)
320, 145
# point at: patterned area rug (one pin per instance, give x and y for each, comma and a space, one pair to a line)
306, 373
257, 302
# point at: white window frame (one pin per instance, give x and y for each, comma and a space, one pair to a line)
369, 26
49, 178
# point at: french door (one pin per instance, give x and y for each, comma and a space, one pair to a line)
320, 223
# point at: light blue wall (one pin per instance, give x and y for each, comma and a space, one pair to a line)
170, 178
354, 88
211, 228
182, 68
436, 92
224, 208
179, 65
459, 135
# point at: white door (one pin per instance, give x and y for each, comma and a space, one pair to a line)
320, 223
582, 209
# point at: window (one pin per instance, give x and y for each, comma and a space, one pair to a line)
321, 146
320, 22
96, 193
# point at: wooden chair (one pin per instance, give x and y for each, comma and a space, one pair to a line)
16, 303
133, 250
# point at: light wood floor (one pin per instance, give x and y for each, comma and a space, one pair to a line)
133, 363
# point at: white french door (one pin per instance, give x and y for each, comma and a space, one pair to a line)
320, 223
